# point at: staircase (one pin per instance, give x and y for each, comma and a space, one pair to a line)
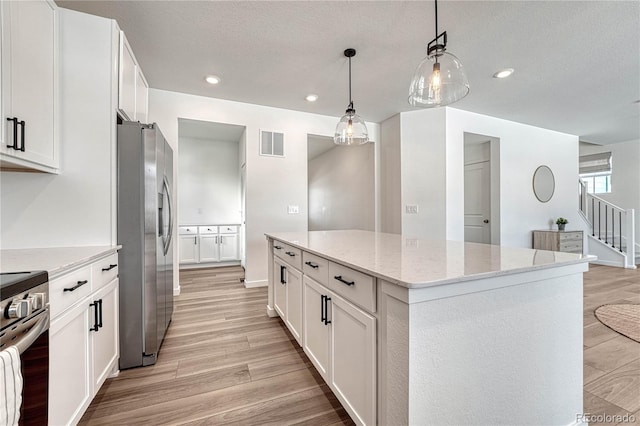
610, 230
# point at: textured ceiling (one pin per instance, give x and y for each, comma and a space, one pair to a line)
577, 63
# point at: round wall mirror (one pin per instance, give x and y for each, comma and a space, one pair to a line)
544, 184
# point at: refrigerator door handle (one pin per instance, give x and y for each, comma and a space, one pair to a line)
169, 235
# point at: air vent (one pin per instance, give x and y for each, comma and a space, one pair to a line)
271, 143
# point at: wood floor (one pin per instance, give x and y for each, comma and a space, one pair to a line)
611, 361
225, 362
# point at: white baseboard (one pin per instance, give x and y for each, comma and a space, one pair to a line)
271, 312
176, 291
257, 283
607, 263
184, 266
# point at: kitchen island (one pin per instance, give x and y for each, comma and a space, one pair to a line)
410, 331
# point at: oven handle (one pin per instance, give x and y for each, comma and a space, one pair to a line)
34, 333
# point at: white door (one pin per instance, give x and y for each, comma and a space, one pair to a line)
279, 287
294, 303
69, 365
188, 248
228, 247
316, 329
209, 248
477, 202
105, 339
353, 359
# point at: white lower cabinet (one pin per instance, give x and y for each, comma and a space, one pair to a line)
83, 339
294, 302
69, 366
188, 248
340, 340
209, 244
209, 248
280, 287
228, 247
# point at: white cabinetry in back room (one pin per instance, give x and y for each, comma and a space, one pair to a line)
208, 244
133, 90
30, 88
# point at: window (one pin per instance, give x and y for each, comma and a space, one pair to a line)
595, 170
271, 144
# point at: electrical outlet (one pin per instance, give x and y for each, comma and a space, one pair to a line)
293, 209
411, 209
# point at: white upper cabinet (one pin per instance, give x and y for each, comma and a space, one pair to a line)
29, 94
133, 90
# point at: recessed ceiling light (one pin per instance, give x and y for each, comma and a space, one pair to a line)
212, 79
503, 73
312, 98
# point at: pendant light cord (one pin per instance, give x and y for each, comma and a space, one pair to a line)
350, 101
436, 2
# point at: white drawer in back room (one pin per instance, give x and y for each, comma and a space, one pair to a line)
104, 271
205, 230
68, 289
315, 267
187, 230
355, 286
291, 255
228, 229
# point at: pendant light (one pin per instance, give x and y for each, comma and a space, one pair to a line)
351, 129
440, 79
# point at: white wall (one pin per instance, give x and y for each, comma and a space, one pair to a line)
209, 181
522, 149
341, 189
625, 175
76, 207
272, 183
390, 176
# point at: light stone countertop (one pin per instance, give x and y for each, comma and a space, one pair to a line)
54, 260
416, 263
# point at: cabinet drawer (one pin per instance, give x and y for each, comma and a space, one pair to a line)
355, 286
104, 271
571, 246
315, 267
78, 285
291, 255
229, 229
188, 230
204, 230
570, 236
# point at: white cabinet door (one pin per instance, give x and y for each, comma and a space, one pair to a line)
105, 339
128, 75
228, 247
188, 249
280, 287
70, 390
353, 359
294, 303
209, 248
316, 331
30, 84
142, 93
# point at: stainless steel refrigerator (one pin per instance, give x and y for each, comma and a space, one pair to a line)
145, 227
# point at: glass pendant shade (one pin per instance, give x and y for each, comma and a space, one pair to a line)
439, 80
351, 130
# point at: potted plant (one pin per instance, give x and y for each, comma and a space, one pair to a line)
561, 222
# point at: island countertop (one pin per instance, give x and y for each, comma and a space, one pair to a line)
417, 263
54, 260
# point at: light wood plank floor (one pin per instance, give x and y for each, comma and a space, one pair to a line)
224, 361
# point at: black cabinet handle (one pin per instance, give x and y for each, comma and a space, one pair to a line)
282, 269
95, 316
290, 253
343, 281
99, 302
323, 317
15, 133
326, 310
22, 123
277, 247
313, 265
111, 266
79, 284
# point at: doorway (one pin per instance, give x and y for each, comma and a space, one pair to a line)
481, 187
341, 185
